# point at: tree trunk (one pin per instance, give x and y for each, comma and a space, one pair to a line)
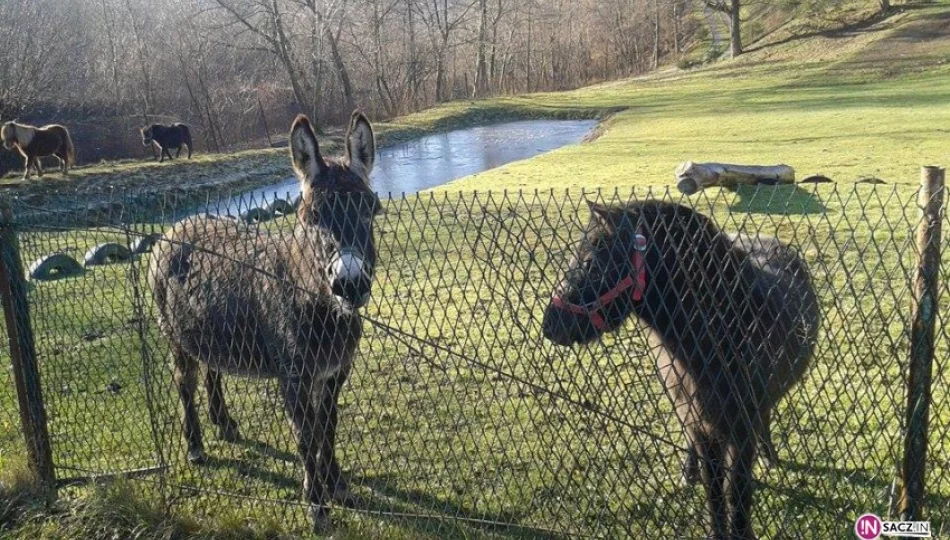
412, 61
481, 64
108, 19
692, 177
147, 100
528, 62
341, 69
656, 34
285, 54
885, 5
440, 74
736, 28
676, 27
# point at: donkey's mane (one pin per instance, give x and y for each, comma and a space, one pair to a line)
687, 227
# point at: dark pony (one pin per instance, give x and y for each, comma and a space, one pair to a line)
166, 138
34, 143
280, 305
733, 321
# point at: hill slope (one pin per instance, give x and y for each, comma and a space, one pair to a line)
860, 102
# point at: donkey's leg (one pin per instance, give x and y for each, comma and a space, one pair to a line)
764, 435
691, 461
739, 486
328, 416
218, 409
26, 171
711, 469
63, 156
178, 154
298, 404
38, 165
186, 379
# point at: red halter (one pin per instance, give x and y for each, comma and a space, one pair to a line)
637, 283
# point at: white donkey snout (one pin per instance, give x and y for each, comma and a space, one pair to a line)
347, 266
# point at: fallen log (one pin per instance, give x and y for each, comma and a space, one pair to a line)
693, 177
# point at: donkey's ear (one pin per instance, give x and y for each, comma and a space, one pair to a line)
599, 212
305, 152
361, 145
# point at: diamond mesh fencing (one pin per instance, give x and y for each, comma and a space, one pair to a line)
514, 364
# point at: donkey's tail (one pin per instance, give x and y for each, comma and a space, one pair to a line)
186, 134
70, 148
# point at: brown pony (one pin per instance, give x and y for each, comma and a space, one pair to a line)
35, 143
732, 321
281, 305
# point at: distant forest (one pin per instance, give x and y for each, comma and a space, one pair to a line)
238, 69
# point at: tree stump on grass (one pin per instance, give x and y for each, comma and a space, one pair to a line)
694, 177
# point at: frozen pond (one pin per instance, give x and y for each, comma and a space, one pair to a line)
437, 159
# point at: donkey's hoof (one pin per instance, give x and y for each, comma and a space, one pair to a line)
197, 457
688, 479
690, 473
229, 432
340, 494
320, 517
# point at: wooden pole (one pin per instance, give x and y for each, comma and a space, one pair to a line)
26, 372
923, 318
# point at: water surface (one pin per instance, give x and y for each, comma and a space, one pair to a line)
437, 159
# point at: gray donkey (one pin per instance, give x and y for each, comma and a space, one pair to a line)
283, 304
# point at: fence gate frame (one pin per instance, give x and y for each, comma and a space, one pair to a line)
26, 374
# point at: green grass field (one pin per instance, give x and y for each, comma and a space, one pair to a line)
431, 436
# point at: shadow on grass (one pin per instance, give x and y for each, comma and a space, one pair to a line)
409, 500
417, 509
856, 27
267, 450
782, 200
935, 503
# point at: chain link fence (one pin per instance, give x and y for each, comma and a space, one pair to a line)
458, 418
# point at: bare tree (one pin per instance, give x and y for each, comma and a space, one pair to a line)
26, 76
230, 66
732, 9
443, 18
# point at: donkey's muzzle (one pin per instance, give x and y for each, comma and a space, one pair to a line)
350, 278
355, 291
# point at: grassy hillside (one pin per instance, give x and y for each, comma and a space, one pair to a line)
871, 102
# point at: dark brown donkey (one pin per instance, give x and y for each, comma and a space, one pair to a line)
167, 138
35, 143
283, 304
733, 321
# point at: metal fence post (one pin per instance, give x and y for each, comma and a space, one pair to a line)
26, 372
923, 317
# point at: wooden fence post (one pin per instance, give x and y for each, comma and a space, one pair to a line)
923, 318
26, 372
